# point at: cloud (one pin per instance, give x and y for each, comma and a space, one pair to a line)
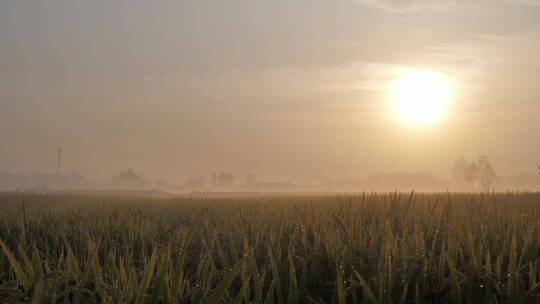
525, 2
407, 6
413, 6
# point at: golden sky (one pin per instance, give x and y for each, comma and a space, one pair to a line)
285, 89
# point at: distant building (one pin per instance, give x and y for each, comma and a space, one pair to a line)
225, 179
196, 182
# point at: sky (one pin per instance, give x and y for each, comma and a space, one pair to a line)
285, 89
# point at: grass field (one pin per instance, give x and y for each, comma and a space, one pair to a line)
372, 248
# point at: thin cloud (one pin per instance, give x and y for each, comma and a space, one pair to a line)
408, 6
414, 6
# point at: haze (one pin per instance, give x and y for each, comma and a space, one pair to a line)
287, 90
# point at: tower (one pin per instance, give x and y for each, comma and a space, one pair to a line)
59, 162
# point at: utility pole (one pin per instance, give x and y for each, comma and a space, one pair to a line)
59, 163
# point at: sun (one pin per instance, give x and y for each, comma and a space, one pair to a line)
421, 97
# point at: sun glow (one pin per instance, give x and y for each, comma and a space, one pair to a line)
421, 97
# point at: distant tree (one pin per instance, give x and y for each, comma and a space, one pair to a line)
486, 174
162, 183
128, 178
470, 174
481, 171
250, 179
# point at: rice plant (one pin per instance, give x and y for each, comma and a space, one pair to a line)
368, 248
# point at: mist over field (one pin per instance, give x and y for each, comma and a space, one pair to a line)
289, 91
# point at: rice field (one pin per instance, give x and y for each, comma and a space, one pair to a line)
366, 248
